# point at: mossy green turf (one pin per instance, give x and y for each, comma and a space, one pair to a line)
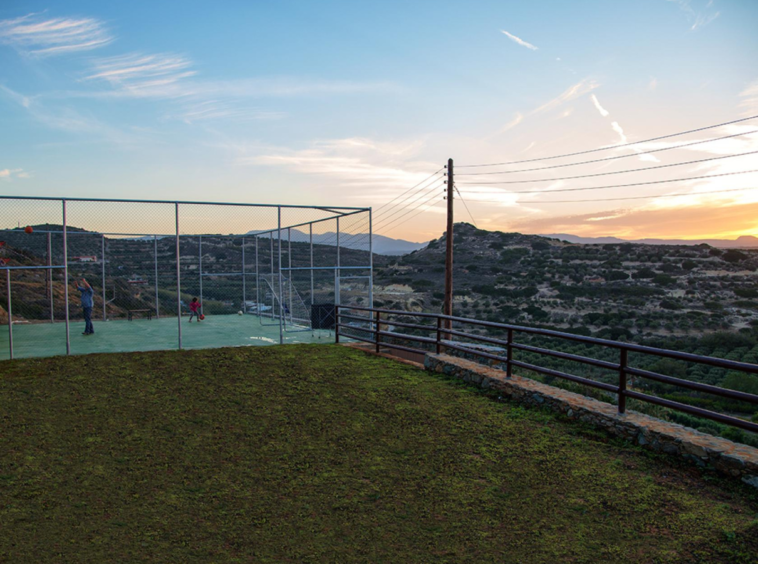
307, 453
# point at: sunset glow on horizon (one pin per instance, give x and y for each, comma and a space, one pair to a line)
354, 104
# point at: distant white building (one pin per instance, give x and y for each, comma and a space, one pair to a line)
86, 258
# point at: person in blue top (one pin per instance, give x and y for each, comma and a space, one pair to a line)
87, 293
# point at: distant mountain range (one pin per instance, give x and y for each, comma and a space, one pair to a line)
746, 241
382, 245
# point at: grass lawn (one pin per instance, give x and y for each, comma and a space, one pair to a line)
320, 453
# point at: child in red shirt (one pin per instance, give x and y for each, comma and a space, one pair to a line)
194, 310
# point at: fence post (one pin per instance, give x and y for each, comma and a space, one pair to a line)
509, 355
289, 271
102, 258
10, 311
377, 337
200, 270
370, 260
65, 278
337, 271
178, 277
257, 281
310, 237
337, 285
273, 293
244, 277
157, 297
336, 323
439, 335
279, 264
50, 276
622, 380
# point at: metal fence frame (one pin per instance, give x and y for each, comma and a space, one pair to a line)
372, 324
278, 270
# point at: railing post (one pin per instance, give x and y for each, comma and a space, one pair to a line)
509, 355
439, 335
622, 380
336, 323
378, 328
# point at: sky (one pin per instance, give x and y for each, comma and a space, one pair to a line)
355, 103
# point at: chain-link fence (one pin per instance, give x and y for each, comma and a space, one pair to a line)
85, 275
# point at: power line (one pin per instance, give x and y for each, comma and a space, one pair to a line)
619, 199
410, 198
610, 173
612, 146
409, 189
415, 191
386, 225
466, 206
610, 158
415, 214
618, 185
413, 201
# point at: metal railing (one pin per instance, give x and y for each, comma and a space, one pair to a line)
372, 323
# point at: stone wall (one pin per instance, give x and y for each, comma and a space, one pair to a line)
725, 456
499, 351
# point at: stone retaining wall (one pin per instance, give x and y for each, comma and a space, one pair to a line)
731, 458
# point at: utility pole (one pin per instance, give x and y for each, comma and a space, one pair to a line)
448, 309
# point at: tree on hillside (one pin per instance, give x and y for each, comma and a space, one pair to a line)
733, 256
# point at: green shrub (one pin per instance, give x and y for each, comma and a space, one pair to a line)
664, 280
746, 292
734, 256
644, 273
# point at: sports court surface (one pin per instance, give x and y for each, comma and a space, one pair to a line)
49, 339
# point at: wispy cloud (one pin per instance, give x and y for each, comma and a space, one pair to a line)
143, 76
517, 119
275, 87
580, 88
11, 173
653, 84
346, 165
617, 128
620, 131
643, 157
193, 112
750, 98
601, 109
33, 35
168, 75
519, 40
68, 119
699, 12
